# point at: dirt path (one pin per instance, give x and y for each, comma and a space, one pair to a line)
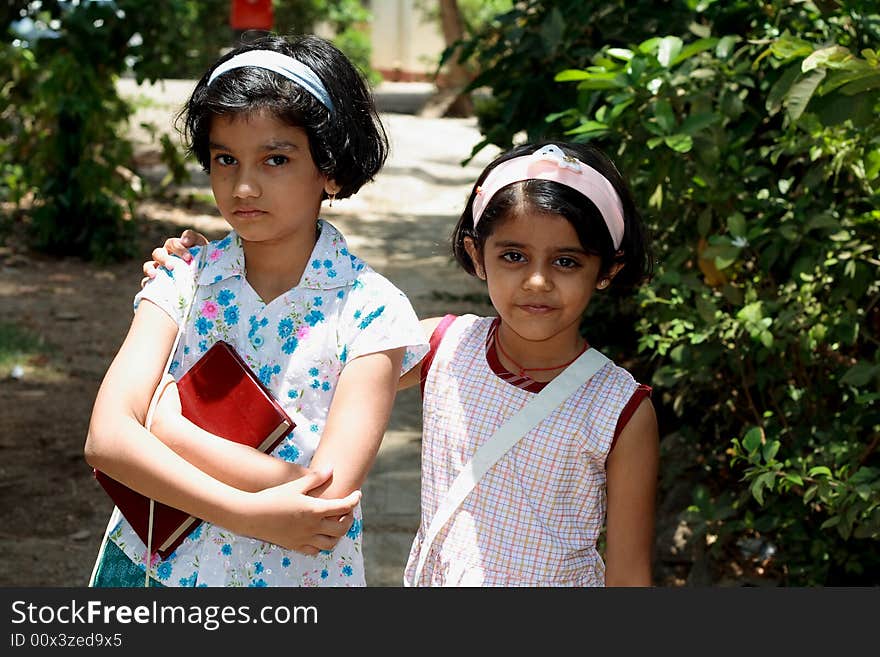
52, 513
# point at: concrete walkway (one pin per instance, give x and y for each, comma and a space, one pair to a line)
400, 224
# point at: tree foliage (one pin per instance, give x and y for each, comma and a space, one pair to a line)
749, 131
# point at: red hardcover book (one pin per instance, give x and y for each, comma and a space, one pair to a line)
221, 394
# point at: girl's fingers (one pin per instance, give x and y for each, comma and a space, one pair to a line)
161, 259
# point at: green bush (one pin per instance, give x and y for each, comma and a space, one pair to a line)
757, 155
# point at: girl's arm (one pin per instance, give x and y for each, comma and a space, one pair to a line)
413, 376
631, 474
118, 444
357, 420
238, 465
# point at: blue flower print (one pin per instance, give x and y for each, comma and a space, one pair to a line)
325, 574
174, 365
163, 572
328, 264
285, 562
189, 581
356, 284
196, 533
292, 394
289, 453
344, 355
290, 345
369, 318
204, 325
222, 244
314, 428
347, 570
168, 272
316, 264
343, 252
203, 346
318, 301
357, 314
314, 317
313, 371
285, 327
315, 384
340, 294
355, 529
218, 278
225, 297
258, 567
266, 373
230, 315
331, 273
185, 350
226, 549
260, 583
325, 386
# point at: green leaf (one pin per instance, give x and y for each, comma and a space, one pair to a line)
697, 122
781, 88
831, 522
796, 480
668, 50
819, 470
664, 116
801, 92
679, 143
620, 53
770, 450
753, 438
736, 224
725, 46
860, 374
572, 74
698, 46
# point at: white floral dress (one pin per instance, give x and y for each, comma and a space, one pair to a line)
298, 345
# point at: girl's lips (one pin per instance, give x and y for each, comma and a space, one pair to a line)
248, 213
537, 309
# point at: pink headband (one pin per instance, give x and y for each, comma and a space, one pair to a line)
550, 163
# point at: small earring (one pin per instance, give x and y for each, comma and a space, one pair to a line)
332, 198
603, 283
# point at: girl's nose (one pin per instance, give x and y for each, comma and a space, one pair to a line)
537, 279
246, 186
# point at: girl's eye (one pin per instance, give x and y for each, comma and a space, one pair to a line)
277, 160
513, 256
224, 160
567, 263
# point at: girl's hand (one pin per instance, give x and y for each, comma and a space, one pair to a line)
287, 516
178, 246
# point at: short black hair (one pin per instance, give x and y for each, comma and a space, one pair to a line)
348, 145
550, 197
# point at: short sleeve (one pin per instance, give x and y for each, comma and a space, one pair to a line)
377, 316
171, 290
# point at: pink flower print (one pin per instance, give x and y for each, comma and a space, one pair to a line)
210, 309
215, 256
303, 332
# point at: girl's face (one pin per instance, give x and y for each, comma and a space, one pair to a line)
539, 276
264, 179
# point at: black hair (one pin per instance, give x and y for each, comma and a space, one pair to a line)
550, 197
348, 145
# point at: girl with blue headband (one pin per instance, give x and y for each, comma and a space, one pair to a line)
279, 126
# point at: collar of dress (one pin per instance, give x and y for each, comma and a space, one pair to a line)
330, 264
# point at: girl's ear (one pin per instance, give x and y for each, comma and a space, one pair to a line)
476, 257
606, 278
331, 188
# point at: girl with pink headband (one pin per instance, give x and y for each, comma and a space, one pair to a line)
547, 226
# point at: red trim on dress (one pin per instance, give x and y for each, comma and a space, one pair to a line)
433, 344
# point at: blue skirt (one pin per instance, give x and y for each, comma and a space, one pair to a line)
116, 570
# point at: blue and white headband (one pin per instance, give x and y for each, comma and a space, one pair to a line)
284, 65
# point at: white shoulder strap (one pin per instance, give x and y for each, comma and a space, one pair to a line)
505, 437
166, 380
